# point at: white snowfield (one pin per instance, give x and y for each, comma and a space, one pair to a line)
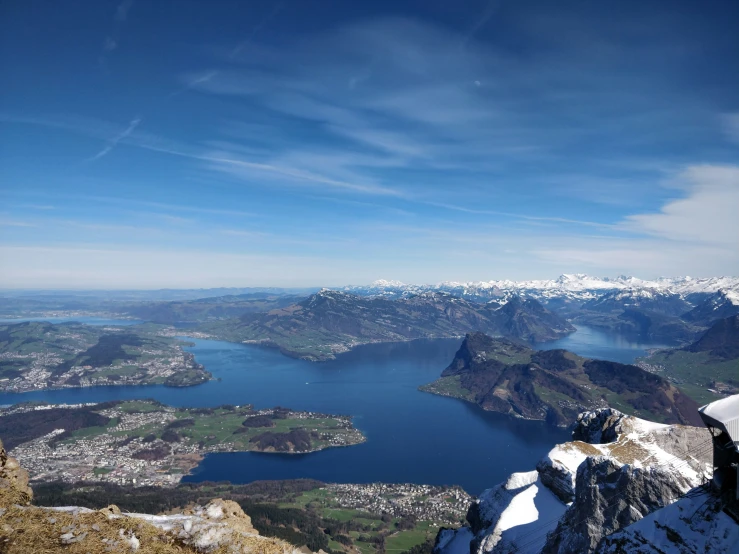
519, 509
517, 515
579, 286
732, 296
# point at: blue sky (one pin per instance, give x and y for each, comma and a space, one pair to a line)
301, 143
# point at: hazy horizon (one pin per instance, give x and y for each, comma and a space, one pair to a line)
267, 287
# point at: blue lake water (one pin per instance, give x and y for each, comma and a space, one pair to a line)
89, 320
412, 436
592, 343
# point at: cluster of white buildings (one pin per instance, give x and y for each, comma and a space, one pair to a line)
446, 505
104, 458
35, 372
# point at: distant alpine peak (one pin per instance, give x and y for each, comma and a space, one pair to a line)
331, 293
384, 283
574, 285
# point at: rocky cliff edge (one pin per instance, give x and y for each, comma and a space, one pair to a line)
220, 527
616, 470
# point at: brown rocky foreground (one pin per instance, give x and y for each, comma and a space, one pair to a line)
220, 527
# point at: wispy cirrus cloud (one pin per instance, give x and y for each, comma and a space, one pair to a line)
113, 142
730, 122
42, 207
15, 223
428, 109
194, 81
112, 40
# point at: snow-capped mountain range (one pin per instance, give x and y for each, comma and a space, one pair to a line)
569, 286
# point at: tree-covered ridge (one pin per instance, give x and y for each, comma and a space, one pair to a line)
503, 376
39, 355
330, 322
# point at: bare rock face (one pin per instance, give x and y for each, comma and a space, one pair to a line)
610, 496
558, 469
14, 487
693, 524
598, 427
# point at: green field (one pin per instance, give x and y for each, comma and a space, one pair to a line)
448, 386
695, 372
404, 540
221, 427
321, 502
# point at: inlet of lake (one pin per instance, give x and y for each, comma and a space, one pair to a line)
412, 437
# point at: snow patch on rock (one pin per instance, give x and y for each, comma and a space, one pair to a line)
692, 524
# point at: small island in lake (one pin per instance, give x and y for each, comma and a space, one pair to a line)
143, 442
39, 355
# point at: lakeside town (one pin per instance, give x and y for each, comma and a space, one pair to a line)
149, 446
447, 505
76, 355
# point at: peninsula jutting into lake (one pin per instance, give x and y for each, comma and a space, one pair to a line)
144, 442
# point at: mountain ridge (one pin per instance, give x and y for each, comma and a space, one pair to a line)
577, 286
330, 322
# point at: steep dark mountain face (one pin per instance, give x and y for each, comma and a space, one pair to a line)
654, 326
529, 320
332, 321
721, 340
432, 314
504, 376
642, 325
661, 302
720, 305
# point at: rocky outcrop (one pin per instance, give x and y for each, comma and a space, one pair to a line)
221, 526
598, 427
610, 496
14, 487
692, 524
619, 470
219, 523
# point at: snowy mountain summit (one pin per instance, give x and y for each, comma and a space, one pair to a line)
578, 286
617, 470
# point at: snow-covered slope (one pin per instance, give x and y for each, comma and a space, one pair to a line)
658, 300
573, 286
722, 304
617, 470
691, 525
